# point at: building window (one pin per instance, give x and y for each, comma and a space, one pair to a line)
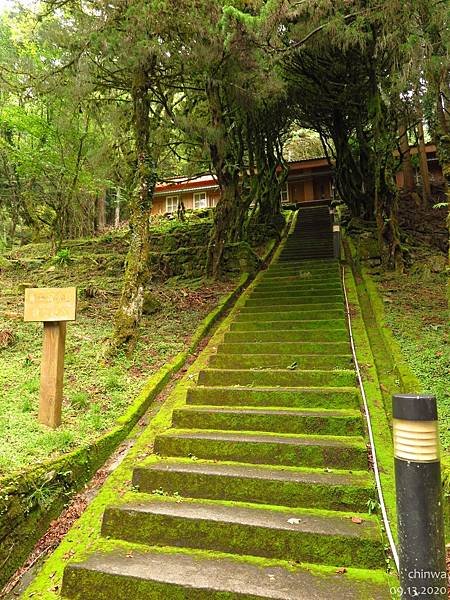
171, 204
285, 195
200, 200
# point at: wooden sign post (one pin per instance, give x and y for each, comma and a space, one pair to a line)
53, 306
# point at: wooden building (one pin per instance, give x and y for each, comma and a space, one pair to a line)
434, 168
194, 193
308, 180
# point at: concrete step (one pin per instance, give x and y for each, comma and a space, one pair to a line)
274, 291
330, 265
311, 244
307, 243
285, 335
310, 263
282, 348
294, 292
320, 277
308, 253
303, 300
319, 537
332, 269
280, 361
345, 397
320, 262
342, 452
314, 324
281, 279
285, 279
133, 574
332, 310
274, 419
300, 281
291, 279
286, 266
293, 288
240, 482
300, 297
324, 276
277, 377
312, 241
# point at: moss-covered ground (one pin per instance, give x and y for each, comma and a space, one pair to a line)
416, 310
96, 391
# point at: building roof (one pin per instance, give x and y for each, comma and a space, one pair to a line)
209, 182
187, 184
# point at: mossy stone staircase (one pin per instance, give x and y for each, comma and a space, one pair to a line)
260, 489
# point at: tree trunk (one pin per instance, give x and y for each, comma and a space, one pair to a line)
409, 182
117, 209
443, 153
386, 191
228, 214
227, 223
101, 211
423, 164
129, 313
386, 215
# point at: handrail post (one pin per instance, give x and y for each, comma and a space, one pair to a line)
336, 240
419, 497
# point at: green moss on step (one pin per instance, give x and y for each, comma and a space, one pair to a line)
363, 550
289, 423
340, 452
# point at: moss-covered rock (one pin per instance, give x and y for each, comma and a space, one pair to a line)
4, 263
151, 304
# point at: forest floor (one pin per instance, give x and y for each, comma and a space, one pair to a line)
96, 391
416, 310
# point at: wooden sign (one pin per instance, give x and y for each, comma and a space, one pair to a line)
50, 304
53, 306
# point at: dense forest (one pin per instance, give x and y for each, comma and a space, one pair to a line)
100, 100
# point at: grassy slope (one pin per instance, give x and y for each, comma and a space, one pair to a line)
416, 310
96, 392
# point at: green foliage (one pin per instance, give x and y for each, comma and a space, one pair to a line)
63, 258
96, 392
422, 334
373, 506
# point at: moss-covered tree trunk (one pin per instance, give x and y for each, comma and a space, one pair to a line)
272, 172
386, 215
129, 312
386, 192
227, 225
353, 169
443, 152
409, 182
423, 163
229, 212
